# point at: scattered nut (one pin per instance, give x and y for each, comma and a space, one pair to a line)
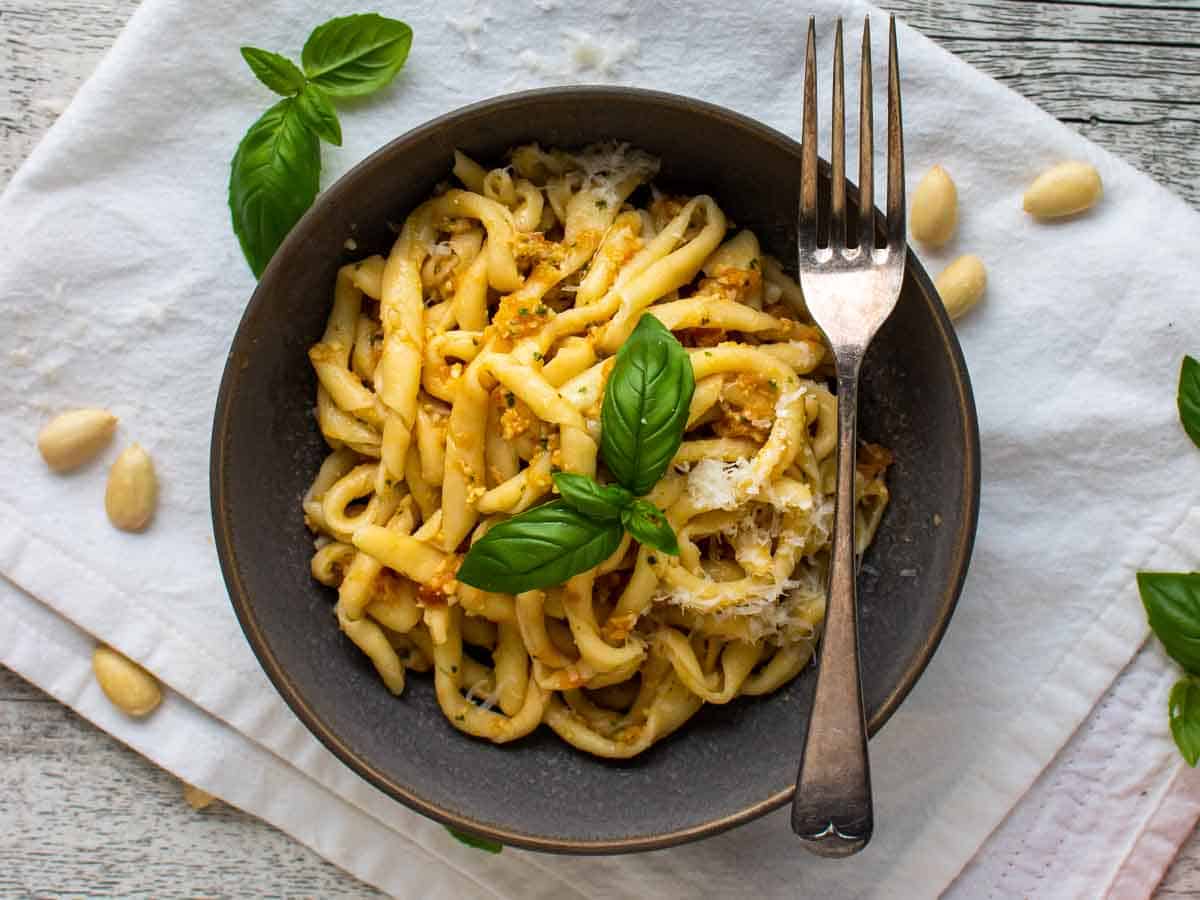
72, 438
1064, 190
961, 284
132, 490
196, 798
934, 208
131, 688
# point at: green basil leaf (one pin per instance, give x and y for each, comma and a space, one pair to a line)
277, 72
1172, 601
477, 842
649, 526
273, 180
319, 115
356, 55
1183, 709
541, 547
1189, 398
645, 406
600, 501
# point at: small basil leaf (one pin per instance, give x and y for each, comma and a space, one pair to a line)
1172, 601
541, 547
600, 501
649, 526
356, 55
1183, 709
273, 179
318, 114
1189, 398
477, 842
277, 72
645, 406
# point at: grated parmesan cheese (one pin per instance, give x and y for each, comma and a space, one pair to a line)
469, 25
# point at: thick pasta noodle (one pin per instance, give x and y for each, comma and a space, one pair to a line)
457, 374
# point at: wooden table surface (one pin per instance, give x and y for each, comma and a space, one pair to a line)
81, 815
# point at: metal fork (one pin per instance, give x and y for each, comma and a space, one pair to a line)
849, 291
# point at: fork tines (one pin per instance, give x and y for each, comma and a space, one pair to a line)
810, 240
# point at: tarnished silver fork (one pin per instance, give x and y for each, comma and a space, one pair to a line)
850, 292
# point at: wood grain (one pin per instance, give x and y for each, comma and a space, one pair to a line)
81, 815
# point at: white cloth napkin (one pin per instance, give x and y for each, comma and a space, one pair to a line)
121, 285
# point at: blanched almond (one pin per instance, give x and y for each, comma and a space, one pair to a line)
132, 491
72, 438
1064, 190
961, 284
196, 798
131, 688
934, 208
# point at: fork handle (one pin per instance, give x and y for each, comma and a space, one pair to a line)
831, 811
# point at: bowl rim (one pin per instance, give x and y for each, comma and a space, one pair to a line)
254, 631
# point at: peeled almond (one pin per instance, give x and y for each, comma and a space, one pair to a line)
69, 440
934, 208
961, 284
132, 491
196, 798
1064, 190
131, 688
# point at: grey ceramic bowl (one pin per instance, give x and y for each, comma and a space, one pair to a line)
730, 763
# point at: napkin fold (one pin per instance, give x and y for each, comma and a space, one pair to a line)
126, 284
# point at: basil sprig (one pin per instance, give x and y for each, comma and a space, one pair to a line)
277, 72
477, 843
1172, 601
355, 55
642, 420
276, 171
649, 526
274, 180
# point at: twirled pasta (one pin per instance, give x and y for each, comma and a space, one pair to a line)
458, 373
